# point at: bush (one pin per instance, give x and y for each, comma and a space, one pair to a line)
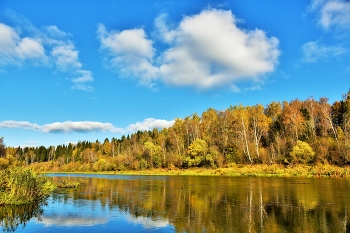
302, 153
100, 165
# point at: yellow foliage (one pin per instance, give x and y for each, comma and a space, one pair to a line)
4, 163
302, 152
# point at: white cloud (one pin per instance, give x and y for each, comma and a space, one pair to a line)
83, 76
31, 49
15, 50
210, 50
149, 124
126, 42
205, 51
332, 13
87, 126
19, 124
130, 51
55, 32
163, 30
334, 17
77, 126
234, 88
42, 47
62, 127
82, 87
314, 51
66, 57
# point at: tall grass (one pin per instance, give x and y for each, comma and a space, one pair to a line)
22, 185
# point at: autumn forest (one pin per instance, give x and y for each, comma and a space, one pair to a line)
305, 132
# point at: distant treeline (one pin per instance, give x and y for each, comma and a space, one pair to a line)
295, 132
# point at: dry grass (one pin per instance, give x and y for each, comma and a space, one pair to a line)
247, 170
319, 170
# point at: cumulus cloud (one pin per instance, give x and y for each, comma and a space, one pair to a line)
14, 50
332, 13
130, 52
210, 50
163, 30
86, 126
205, 50
149, 124
314, 51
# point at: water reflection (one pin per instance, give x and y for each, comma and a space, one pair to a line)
72, 213
147, 222
199, 204
11, 217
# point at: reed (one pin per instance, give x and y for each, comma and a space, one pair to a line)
66, 184
20, 185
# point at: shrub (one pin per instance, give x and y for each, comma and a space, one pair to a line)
302, 153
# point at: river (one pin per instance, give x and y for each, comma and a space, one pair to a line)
124, 203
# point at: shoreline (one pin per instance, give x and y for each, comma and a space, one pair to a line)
260, 170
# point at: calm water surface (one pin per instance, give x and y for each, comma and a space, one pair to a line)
116, 203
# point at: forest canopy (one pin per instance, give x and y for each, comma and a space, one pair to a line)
296, 132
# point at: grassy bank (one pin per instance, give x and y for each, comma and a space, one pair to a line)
20, 185
255, 170
238, 170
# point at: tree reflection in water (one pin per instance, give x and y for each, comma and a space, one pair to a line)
12, 216
227, 204
196, 204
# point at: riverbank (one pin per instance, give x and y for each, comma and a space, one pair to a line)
274, 170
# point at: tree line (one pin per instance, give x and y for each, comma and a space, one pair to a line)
296, 132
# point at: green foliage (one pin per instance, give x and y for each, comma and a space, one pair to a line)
233, 155
100, 165
143, 164
155, 152
302, 153
198, 154
22, 185
67, 185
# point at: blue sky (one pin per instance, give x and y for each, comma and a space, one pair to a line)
87, 70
